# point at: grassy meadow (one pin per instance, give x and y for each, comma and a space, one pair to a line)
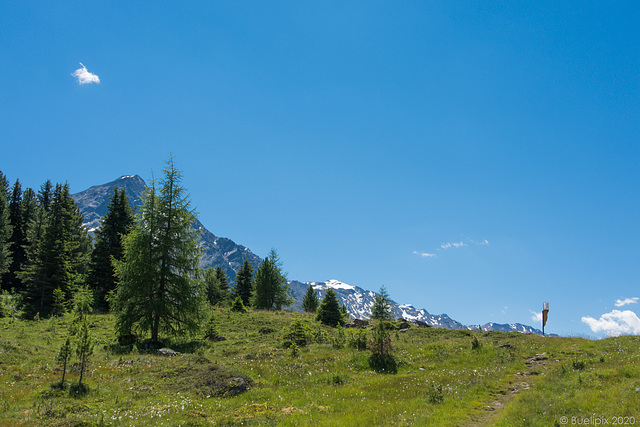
444, 378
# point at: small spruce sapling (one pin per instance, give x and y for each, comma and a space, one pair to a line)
238, 305
84, 351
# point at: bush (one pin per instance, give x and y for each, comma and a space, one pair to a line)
358, 340
339, 339
238, 306
475, 344
297, 333
211, 331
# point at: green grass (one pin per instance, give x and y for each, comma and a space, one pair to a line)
443, 378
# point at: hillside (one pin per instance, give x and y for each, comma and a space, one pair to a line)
509, 379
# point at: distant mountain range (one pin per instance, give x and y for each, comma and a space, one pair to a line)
230, 256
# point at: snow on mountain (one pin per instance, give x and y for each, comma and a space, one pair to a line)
360, 301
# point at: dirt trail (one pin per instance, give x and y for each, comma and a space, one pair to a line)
521, 382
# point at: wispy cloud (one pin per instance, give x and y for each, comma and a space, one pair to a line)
626, 301
453, 245
84, 76
424, 254
615, 323
537, 316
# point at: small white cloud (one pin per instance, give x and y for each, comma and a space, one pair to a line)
424, 254
504, 310
615, 323
537, 316
626, 301
454, 245
84, 76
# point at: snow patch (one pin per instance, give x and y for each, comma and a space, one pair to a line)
335, 284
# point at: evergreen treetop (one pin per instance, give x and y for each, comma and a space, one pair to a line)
310, 300
271, 290
382, 308
244, 282
329, 309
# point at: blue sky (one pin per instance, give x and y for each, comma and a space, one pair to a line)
476, 158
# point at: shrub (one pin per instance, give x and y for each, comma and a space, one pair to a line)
297, 333
211, 331
339, 339
358, 340
435, 394
238, 305
475, 344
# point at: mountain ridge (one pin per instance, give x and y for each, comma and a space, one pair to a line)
230, 256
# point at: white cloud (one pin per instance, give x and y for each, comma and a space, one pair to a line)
537, 316
615, 323
626, 301
84, 76
424, 254
455, 245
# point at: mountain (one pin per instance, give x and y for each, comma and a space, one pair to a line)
230, 256
220, 251
359, 302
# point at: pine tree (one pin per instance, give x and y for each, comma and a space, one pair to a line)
310, 300
244, 283
156, 291
5, 229
36, 210
115, 224
382, 308
216, 291
329, 309
17, 240
223, 285
62, 254
270, 285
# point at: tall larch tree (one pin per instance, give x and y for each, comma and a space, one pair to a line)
115, 224
157, 291
271, 290
244, 283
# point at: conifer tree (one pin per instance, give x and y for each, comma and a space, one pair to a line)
244, 282
329, 309
62, 254
382, 308
310, 300
5, 229
156, 291
36, 209
270, 285
115, 224
223, 284
216, 286
17, 239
